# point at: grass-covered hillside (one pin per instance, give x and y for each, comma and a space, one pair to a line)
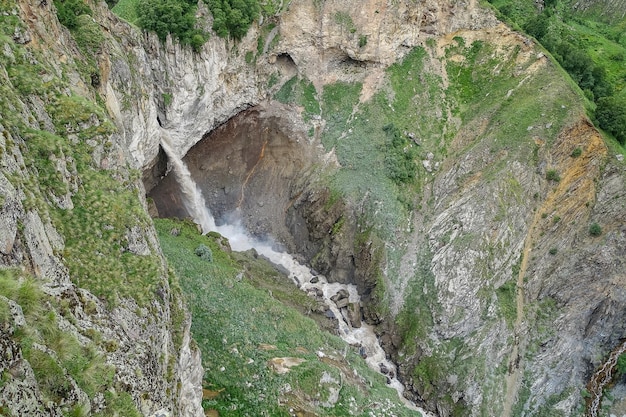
248, 320
589, 40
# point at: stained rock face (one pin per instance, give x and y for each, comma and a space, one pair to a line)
498, 296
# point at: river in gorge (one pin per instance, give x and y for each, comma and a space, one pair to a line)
335, 295
601, 379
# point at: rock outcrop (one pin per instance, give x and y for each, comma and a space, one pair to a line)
92, 322
490, 293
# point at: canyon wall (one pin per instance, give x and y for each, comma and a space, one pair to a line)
488, 286
93, 322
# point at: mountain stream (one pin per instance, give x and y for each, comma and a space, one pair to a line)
601, 378
333, 294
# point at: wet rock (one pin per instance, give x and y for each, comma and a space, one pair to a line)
341, 303
341, 294
354, 314
315, 280
383, 369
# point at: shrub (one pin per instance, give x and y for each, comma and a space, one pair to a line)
165, 16
233, 17
399, 156
176, 17
362, 41
553, 175
69, 10
553, 251
595, 229
197, 41
621, 364
576, 152
611, 116
204, 252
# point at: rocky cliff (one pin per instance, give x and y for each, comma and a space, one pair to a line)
93, 323
477, 260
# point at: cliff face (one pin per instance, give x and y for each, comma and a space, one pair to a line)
92, 321
499, 246
488, 288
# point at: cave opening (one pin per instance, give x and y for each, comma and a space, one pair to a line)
251, 169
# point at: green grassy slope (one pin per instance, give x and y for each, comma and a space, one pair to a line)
589, 41
245, 315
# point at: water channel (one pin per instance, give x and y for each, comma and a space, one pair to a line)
601, 378
336, 296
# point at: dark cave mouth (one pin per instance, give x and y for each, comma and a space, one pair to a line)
250, 169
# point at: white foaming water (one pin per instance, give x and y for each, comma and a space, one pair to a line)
363, 336
192, 196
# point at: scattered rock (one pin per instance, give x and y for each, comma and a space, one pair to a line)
383, 369
265, 346
342, 303
284, 365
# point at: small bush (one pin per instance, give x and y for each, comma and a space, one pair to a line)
69, 10
553, 175
576, 152
362, 41
553, 251
399, 156
595, 229
204, 252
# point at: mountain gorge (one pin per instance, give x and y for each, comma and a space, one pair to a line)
425, 152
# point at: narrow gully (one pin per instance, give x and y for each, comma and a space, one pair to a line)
362, 336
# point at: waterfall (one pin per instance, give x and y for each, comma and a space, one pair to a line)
192, 197
601, 378
362, 336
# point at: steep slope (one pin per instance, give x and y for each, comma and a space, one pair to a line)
92, 321
462, 262
426, 153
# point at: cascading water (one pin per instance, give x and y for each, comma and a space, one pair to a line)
601, 378
192, 197
362, 336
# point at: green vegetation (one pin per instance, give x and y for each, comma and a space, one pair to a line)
176, 17
553, 175
204, 252
233, 17
507, 301
372, 140
621, 364
301, 92
515, 115
247, 313
576, 152
611, 115
399, 156
95, 214
416, 317
595, 229
69, 10
76, 16
362, 41
344, 20
72, 360
590, 47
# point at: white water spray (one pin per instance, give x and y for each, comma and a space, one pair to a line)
192, 197
363, 336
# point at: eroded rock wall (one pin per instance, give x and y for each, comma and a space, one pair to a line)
73, 339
